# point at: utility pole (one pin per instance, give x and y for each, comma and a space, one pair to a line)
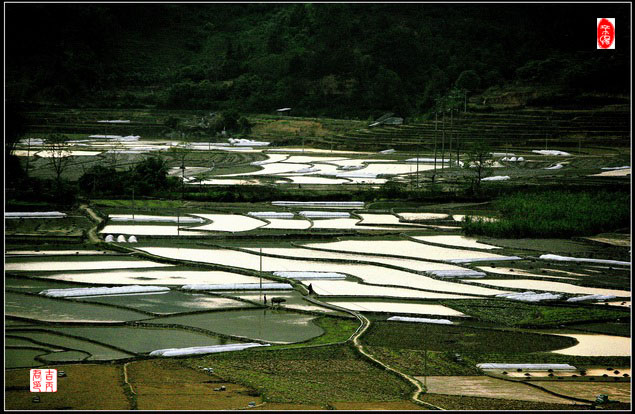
132, 203
443, 139
435, 144
261, 274
28, 155
458, 152
418, 162
451, 133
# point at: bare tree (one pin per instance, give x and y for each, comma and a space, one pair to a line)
478, 161
58, 156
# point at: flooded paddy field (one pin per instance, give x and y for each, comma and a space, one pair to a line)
152, 277
276, 326
170, 302
46, 309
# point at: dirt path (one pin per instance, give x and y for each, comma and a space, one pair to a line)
92, 232
365, 324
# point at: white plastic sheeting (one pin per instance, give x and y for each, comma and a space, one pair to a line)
550, 152
118, 290
329, 214
356, 175
239, 286
483, 259
554, 167
340, 204
617, 168
195, 350
271, 214
535, 367
110, 238
577, 259
388, 151
456, 273
132, 239
591, 297
157, 219
240, 142
35, 214
497, 178
121, 239
115, 121
421, 320
426, 160
529, 296
310, 275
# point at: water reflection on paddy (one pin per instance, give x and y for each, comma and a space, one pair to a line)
417, 265
293, 300
368, 273
287, 224
57, 340
65, 264
397, 307
154, 277
347, 288
458, 241
530, 284
264, 324
46, 309
347, 223
170, 302
229, 222
402, 248
512, 271
143, 340
382, 219
423, 216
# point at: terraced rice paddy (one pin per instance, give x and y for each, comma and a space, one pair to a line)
289, 224
46, 309
267, 325
397, 307
530, 284
403, 248
455, 241
598, 345
153, 277
292, 300
142, 339
229, 223
368, 273
482, 386
150, 230
306, 253
386, 219
518, 272
58, 341
423, 216
74, 264
170, 302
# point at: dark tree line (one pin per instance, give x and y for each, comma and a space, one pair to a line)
332, 59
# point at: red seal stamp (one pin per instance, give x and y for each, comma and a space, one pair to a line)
606, 33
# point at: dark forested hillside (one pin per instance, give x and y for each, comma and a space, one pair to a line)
321, 59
